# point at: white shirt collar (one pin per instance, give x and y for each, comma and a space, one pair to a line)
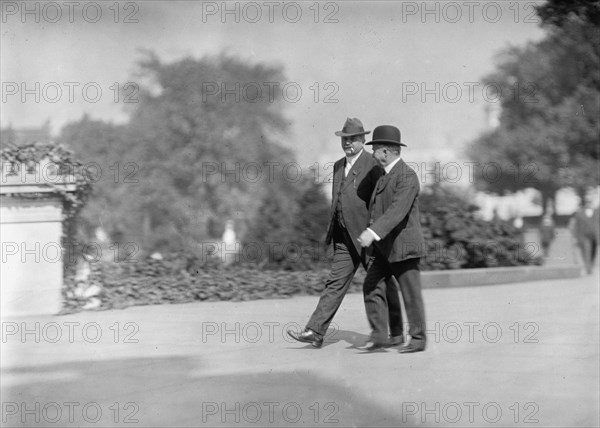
391, 165
350, 161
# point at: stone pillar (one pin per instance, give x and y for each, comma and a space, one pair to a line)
31, 215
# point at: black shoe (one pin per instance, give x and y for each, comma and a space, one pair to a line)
396, 341
412, 347
374, 346
307, 336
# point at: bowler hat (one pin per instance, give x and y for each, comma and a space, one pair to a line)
352, 127
386, 134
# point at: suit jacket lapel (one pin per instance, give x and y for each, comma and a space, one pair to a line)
338, 175
385, 179
382, 182
354, 170
350, 178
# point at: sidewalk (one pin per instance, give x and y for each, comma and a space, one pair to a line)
524, 354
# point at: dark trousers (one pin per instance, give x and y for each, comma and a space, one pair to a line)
345, 263
588, 246
375, 291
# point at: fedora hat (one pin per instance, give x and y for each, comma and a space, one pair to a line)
352, 127
386, 134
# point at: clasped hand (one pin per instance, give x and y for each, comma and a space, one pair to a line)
366, 238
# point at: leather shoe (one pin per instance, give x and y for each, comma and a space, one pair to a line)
412, 347
374, 346
395, 341
307, 336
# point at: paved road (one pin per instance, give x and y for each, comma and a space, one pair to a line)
524, 354
562, 252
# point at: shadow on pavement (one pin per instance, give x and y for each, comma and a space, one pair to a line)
176, 392
356, 340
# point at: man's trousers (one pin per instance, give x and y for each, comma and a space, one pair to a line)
345, 263
376, 292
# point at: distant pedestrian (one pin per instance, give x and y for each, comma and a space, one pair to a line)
230, 244
518, 222
584, 228
547, 233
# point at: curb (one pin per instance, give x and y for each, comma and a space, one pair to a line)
492, 276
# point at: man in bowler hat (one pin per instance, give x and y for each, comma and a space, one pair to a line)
395, 232
354, 178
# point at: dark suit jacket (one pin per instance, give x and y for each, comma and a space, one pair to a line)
395, 215
355, 193
585, 227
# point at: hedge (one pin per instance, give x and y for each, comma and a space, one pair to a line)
182, 278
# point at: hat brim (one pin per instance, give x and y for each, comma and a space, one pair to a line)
351, 134
370, 143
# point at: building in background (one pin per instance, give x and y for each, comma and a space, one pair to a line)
20, 136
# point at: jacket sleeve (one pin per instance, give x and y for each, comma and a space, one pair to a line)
367, 186
405, 192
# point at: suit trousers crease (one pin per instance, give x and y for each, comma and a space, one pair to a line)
346, 261
375, 292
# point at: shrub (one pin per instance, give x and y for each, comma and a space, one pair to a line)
181, 278
457, 238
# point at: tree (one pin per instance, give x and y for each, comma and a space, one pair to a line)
101, 147
550, 93
557, 12
200, 148
290, 226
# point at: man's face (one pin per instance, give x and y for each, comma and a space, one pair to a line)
381, 155
352, 145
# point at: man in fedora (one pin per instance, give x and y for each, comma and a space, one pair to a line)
354, 178
395, 232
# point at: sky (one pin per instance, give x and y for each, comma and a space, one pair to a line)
415, 65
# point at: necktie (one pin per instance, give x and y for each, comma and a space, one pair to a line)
347, 168
380, 181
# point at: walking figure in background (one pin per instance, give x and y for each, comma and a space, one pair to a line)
584, 228
230, 245
547, 233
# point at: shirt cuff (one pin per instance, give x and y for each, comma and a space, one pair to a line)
377, 238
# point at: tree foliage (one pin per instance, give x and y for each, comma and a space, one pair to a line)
202, 146
550, 98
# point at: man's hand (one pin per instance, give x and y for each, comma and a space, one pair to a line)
366, 238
